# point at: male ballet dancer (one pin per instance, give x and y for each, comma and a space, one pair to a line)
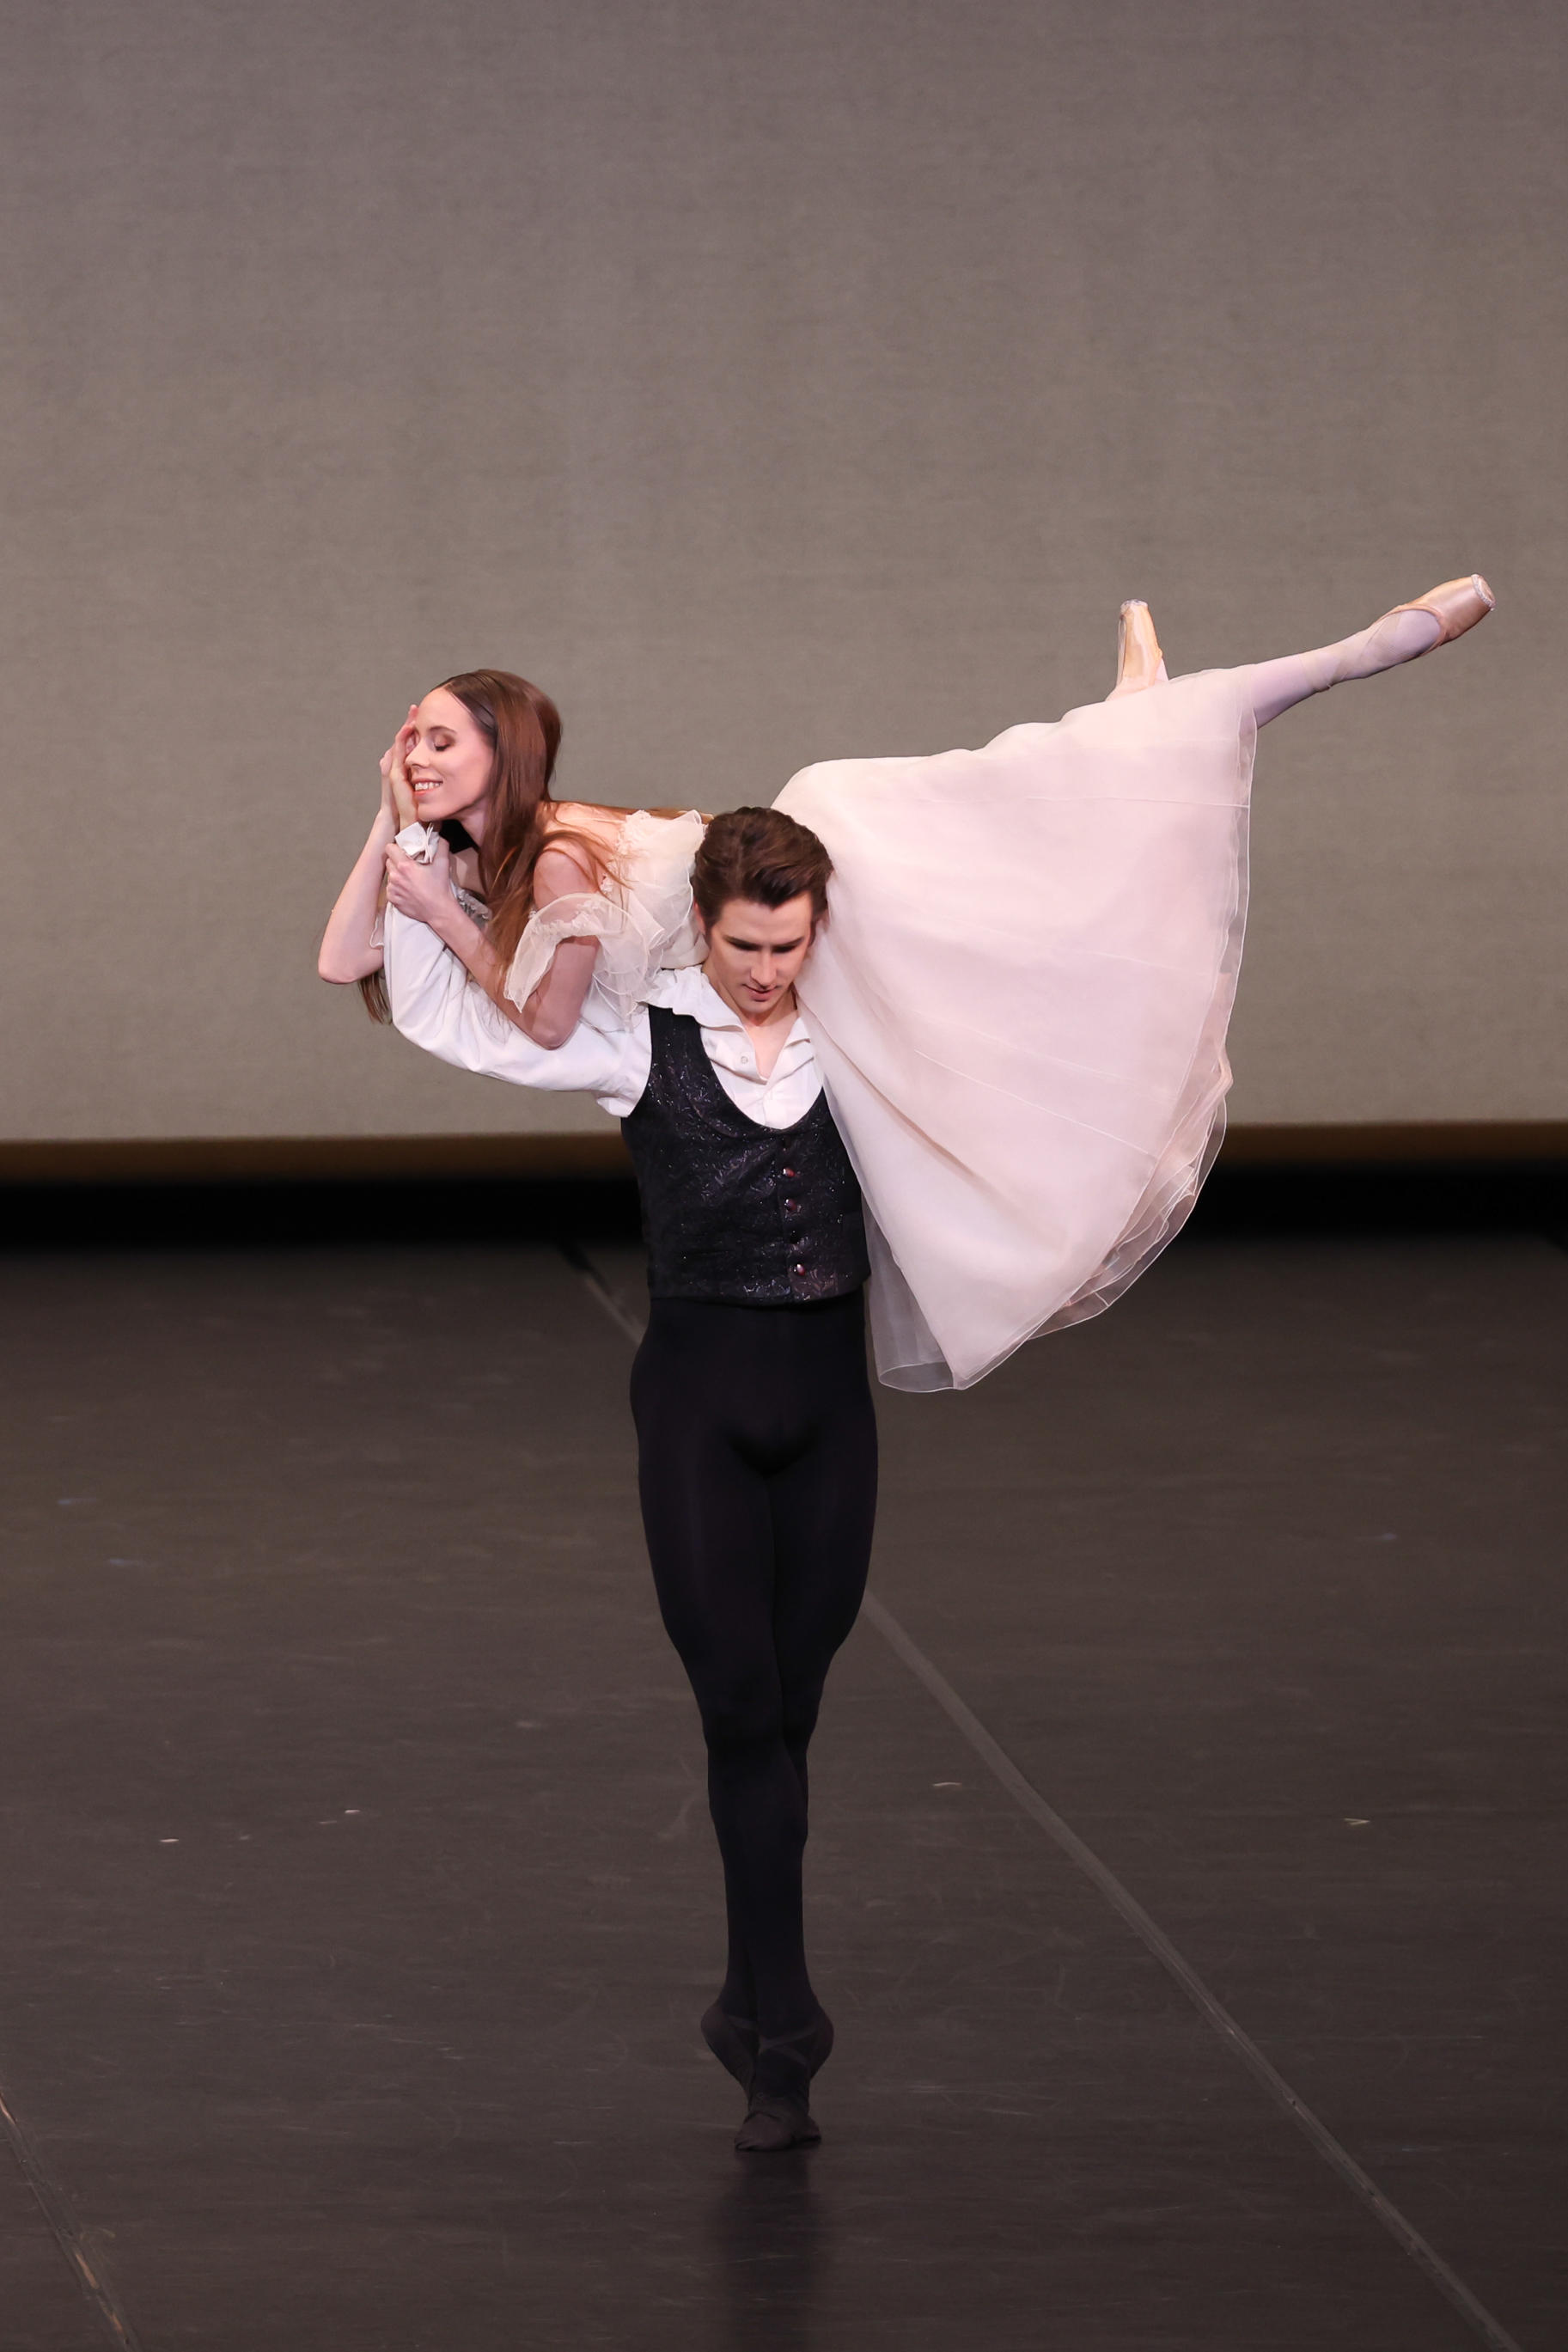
756, 1438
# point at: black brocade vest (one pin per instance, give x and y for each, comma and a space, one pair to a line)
755, 1216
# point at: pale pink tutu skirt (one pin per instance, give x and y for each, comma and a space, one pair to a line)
1020, 1006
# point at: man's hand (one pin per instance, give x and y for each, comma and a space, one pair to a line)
424, 892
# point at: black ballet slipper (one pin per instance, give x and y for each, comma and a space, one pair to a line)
812, 2048
779, 2117
773, 2125
733, 2040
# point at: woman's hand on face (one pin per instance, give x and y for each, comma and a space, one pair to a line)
397, 795
424, 892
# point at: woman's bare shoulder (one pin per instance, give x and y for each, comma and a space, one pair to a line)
582, 816
598, 818
567, 861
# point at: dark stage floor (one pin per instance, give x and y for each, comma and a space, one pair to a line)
358, 1902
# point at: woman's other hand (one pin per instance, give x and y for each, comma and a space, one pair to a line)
397, 794
424, 892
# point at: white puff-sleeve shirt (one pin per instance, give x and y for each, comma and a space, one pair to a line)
435, 1004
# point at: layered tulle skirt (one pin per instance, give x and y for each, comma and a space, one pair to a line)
1020, 1006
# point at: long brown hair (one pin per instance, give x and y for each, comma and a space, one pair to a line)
522, 727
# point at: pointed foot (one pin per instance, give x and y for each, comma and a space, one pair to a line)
1139, 661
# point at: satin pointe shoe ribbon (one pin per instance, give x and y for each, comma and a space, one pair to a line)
1456, 605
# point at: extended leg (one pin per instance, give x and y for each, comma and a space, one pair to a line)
1400, 635
1397, 637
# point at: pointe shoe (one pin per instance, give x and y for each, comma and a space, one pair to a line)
733, 2040
1456, 605
1139, 661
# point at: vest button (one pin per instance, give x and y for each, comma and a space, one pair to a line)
791, 1208
789, 1172
797, 1269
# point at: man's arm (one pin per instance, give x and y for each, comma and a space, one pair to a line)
436, 1006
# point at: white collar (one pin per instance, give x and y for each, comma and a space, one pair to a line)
688, 989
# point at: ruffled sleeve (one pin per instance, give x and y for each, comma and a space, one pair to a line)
640, 916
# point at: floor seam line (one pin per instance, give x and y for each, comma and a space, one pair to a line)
1131, 1912
68, 2234
1158, 1944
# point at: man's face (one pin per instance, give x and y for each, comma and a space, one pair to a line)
755, 952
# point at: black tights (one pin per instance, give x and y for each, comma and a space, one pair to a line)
756, 1445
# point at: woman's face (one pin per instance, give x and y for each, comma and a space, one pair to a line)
449, 761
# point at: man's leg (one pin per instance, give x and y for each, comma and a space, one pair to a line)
824, 1507
702, 1376
824, 1512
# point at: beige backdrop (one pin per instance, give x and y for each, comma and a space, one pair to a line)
770, 383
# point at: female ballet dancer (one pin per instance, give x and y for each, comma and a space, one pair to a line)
1021, 1005
942, 1046
471, 768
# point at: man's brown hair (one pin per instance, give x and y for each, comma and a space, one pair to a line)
761, 854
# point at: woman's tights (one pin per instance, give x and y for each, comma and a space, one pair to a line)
756, 1443
1397, 637
1274, 687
